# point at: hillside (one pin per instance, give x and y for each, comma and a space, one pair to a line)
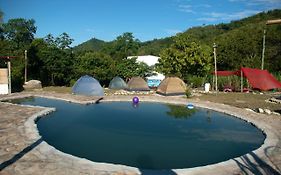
205, 34
93, 44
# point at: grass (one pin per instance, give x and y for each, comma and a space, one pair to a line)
243, 100
58, 89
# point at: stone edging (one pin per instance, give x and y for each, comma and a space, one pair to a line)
225, 167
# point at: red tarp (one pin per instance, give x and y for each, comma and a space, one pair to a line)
259, 79
225, 73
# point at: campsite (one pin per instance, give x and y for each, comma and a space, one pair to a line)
94, 87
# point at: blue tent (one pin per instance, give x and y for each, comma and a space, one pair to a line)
117, 83
87, 85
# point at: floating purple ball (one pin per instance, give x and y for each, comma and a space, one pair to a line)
136, 100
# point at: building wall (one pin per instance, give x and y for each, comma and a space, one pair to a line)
4, 88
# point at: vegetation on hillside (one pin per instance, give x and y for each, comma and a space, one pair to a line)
188, 55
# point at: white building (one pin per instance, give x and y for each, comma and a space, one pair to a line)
150, 60
4, 88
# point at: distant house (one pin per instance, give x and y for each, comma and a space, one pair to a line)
150, 60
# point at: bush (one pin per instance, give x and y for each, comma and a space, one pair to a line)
195, 81
188, 92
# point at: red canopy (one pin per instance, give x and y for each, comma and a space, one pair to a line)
225, 73
259, 79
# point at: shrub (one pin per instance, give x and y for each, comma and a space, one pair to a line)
188, 92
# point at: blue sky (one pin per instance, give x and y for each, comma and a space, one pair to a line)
146, 19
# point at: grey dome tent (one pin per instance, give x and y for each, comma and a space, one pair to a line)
87, 85
117, 83
137, 84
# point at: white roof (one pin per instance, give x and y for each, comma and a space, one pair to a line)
150, 60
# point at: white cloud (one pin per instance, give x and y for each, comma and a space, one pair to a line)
215, 16
186, 8
267, 3
193, 8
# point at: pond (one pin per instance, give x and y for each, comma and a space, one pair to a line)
148, 135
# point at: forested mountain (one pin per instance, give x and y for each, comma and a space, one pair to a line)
93, 44
204, 34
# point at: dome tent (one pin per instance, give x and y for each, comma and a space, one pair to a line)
137, 84
171, 86
117, 83
87, 85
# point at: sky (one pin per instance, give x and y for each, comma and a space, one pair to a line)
146, 19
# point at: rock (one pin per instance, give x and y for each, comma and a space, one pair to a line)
260, 110
276, 113
32, 84
267, 111
248, 109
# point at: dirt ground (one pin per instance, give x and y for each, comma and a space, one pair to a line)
244, 100
250, 100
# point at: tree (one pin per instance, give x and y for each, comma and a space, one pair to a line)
35, 60
241, 47
50, 40
97, 64
63, 41
127, 68
124, 46
20, 31
185, 57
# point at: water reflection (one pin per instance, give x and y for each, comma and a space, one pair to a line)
180, 112
208, 116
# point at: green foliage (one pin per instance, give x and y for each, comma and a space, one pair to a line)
185, 57
240, 48
20, 31
97, 64
124, 46
188, 92
91, 45
195, 81
127, 68
233, 82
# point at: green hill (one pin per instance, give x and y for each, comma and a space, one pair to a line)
91, 45
240, 32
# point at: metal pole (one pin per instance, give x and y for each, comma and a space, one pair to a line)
241, 80
263, 49
216, 74
9, 77
25, 70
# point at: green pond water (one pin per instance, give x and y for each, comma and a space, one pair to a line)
147, 136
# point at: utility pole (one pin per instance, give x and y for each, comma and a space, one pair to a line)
269, 22
9, 76
215, 59
25, 70
263, 49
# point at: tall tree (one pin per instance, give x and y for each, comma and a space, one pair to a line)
63, 41
20, 31
127, 68
97, 64
125, 45
185, 57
